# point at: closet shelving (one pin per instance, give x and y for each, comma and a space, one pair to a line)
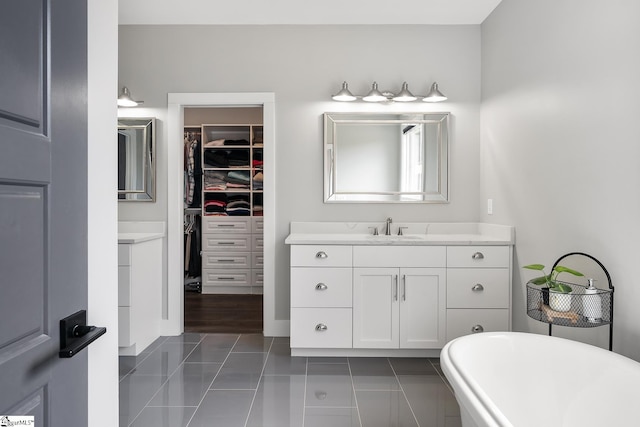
232, 170
231, 194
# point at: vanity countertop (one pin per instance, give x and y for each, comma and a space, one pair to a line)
130, 232
131, 238
415, 234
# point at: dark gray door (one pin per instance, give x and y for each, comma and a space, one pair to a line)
43, 206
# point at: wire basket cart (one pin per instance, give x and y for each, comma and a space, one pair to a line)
581, 308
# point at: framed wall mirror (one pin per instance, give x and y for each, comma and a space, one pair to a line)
136, 159
386, 157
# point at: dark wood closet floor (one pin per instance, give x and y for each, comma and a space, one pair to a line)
214, 313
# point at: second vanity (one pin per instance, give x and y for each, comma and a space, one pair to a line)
358, 294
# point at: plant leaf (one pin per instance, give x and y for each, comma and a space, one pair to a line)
534, 266
563, 269
561, 287
542, 280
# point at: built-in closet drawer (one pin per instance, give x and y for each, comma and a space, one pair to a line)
226, 242
226, 260
257, 259
469, 321
321, 256
218, 224
258, 277
321, 287
478, 256
321, 327
226, 277
257, 226
257, 242
477, 288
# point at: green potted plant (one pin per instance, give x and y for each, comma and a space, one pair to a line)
559, 297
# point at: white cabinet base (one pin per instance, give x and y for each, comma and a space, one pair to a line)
363, 352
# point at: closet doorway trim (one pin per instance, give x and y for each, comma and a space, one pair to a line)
175, 268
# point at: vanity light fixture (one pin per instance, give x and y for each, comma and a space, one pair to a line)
125, 100
376, 95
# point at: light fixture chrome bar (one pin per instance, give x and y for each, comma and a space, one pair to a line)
375, 95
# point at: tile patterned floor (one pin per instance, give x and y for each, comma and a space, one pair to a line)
231, 380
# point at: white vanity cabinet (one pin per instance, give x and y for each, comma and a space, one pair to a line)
478, 289
398, 308
399, 297
139, 291
358, 294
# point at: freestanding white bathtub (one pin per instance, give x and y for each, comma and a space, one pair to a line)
521, 380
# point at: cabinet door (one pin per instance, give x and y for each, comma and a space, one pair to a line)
422, 307
375, 307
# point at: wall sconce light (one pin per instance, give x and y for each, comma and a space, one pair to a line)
124, 100
404, 95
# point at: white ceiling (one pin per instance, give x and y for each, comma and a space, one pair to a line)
304, 12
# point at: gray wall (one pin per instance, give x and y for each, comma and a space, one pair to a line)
560, 142
303, 66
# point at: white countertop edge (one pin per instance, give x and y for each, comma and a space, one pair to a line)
416, 234
131, 238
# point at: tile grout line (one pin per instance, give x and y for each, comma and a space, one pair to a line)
168, 376
304, 395
405, 394
264, 364
353, 389
214, 378
143, 359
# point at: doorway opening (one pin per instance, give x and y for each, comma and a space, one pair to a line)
223, 219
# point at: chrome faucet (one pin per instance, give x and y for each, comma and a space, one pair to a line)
387, 227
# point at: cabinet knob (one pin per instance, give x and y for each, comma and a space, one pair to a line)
321, 287
322, 255
321, 327
474, 329
477, 288
477, 255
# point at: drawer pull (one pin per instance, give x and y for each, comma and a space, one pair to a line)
226, 260
225, 278
225, 225
226, 243
477, 288
321, 327
477, 255
477, 328
321, 287
322, 255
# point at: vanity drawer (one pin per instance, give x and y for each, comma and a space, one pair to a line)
321, 256
228, 260
467, 321
226, 243
321, 327
321, 287
478, 288
478, 256
226, 277
225, 225
399, 256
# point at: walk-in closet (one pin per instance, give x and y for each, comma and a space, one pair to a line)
223, 219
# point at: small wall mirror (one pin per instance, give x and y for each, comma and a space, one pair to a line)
136, 159
386, 157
